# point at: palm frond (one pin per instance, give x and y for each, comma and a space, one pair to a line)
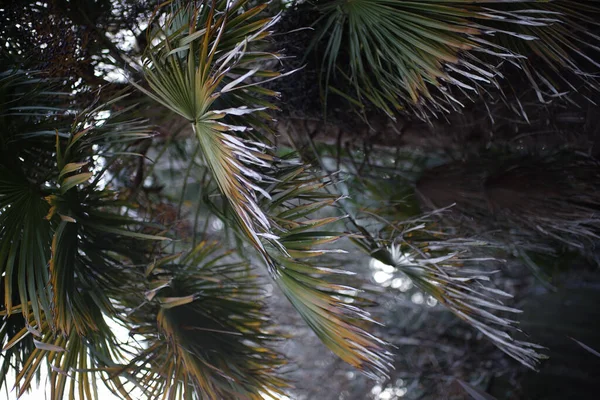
91, 238
204, 327
24, 244
563, 55
74, 361
205, 54
24, 159
447, 269
451, 268
333, 309
193, 66
64, 242
428, 56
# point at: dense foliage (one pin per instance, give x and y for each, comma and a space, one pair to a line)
146, 185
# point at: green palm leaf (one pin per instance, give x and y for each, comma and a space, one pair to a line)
204, 329
193, 66
204, 55
92, 241
564, 53
64, 244
332, 309
24, 244
74, 362
428, 56
447, 270
24, 159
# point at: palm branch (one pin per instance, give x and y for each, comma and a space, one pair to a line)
203, 54
204, 328
206, 56
64, 242
450, 267
325, 303
429, 56
26, 155
449, 270
75, 362
562, 57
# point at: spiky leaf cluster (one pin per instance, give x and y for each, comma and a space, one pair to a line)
203, 58
203, 328
428, 57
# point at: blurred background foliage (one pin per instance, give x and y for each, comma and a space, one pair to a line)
197, 198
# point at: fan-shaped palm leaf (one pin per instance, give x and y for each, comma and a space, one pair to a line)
24, 243
24, 158
445, 269
329, 308
74, 361
63, 240
91, 238
564, 42
204, 329
193, 66
203, 54
428, 55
